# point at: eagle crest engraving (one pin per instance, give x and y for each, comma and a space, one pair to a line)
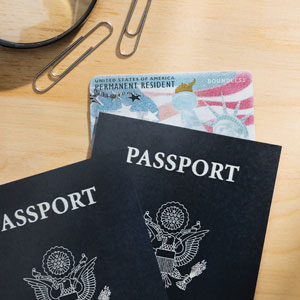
174, 244
63, 279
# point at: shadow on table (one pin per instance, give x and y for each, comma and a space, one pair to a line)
19, 66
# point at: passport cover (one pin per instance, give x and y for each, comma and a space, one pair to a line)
215, 102
205, 198
75, 233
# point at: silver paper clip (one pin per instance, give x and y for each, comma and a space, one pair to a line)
138, 33
66, 52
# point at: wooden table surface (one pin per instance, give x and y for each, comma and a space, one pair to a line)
42, 132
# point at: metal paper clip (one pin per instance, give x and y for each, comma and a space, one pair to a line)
138, 33
66, 52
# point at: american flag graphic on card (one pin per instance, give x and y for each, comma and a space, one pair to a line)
218, 102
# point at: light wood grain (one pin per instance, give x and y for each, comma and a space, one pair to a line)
42, 132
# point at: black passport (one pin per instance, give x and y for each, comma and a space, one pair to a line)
205, 199
75, 233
